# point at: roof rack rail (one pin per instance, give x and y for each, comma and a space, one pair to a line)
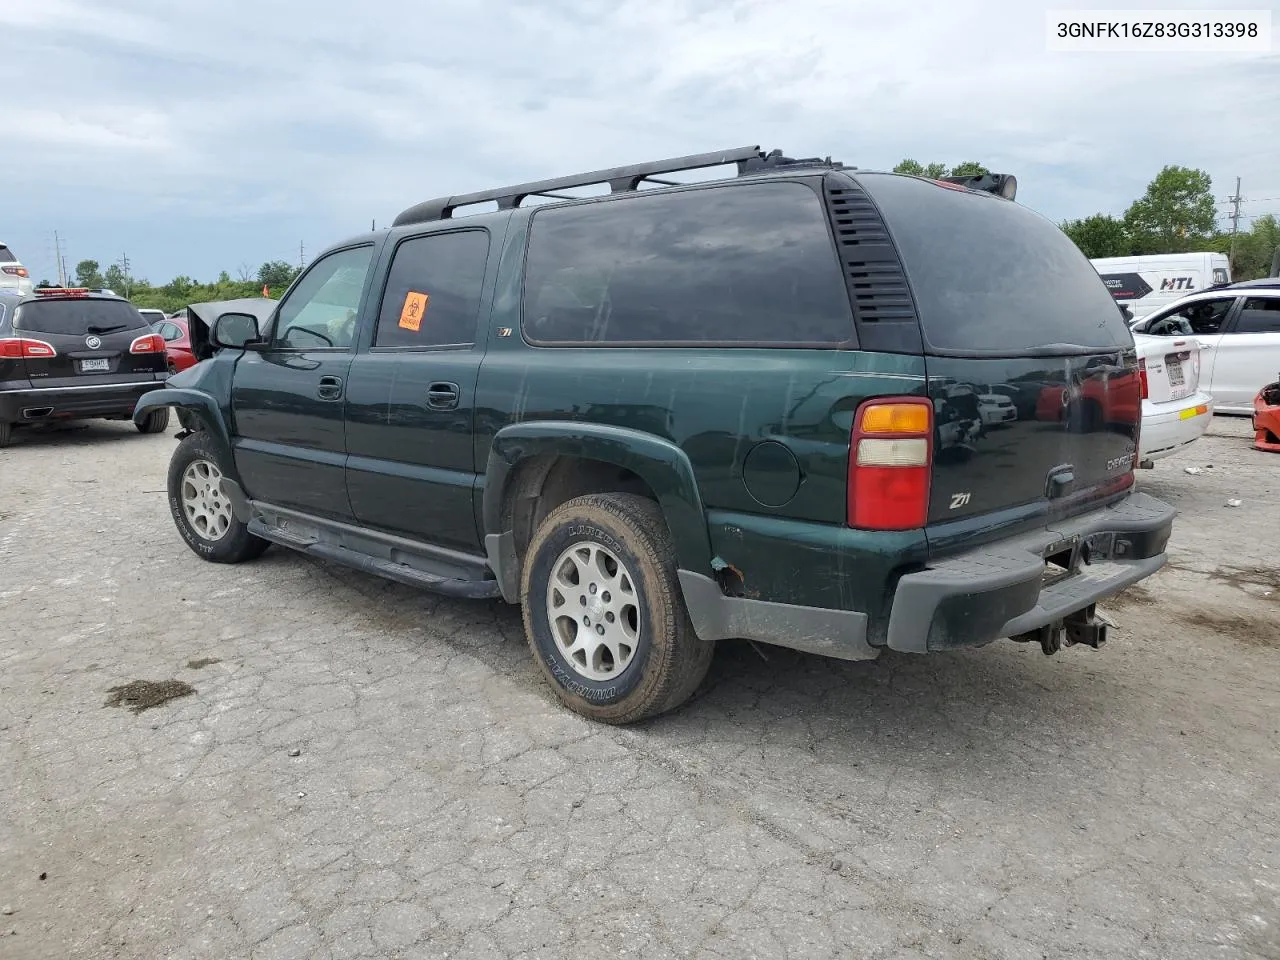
620, 180
1001, 184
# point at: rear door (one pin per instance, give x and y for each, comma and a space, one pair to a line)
1248, 353
1004, 297
87, 341
287, 399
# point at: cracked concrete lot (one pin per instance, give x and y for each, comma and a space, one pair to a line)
367, 771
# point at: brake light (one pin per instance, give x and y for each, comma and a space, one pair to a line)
151, 343
22, 348
1142, 376
62, 291
890, 464
16, 271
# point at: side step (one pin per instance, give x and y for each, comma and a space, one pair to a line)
471, 589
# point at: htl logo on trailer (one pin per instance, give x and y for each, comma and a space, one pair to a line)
1177, 283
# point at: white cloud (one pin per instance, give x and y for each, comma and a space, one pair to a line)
267, 119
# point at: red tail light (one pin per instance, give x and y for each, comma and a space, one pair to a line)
1142, 376
151, 343
21, 348
890, 464
16, 271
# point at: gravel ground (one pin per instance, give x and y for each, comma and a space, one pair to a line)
354, 769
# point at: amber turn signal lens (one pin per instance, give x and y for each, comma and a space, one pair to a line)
899, 418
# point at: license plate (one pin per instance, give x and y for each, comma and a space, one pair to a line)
89, 366
1176, 378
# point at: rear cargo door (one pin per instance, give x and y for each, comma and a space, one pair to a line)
92, 341
1008, 306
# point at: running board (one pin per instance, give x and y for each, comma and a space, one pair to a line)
407, 562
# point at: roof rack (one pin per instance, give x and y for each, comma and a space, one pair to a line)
620, 180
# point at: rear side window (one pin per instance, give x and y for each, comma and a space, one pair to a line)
433, 291
6, 256
1219, 275
744, 264
77, 317
991, 276
1259, 315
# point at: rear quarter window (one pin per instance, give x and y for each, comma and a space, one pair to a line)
735, 265
991, 276
74, 317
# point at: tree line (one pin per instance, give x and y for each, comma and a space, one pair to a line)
273, 276
1176, 214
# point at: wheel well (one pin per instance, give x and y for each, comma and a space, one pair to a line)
543, 483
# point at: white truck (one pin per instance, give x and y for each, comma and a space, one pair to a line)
1144, 284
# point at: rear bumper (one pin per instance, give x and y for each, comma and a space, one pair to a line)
1000, 590
39, 404
1168, 427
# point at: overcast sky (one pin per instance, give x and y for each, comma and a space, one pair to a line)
201, 135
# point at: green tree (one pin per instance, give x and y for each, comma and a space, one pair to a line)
87, 274
276, 274
916, 169
118, 280
1176, 214
1099, 236
1255, 248
44, 284
970, 168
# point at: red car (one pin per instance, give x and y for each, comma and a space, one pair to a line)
177, 343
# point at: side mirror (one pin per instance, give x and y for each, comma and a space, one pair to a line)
235, 331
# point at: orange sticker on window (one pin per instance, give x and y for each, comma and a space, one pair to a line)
415, 305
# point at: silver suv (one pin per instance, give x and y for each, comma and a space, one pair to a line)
13, 275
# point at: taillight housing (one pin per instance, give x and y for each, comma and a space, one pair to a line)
22, 348
16, 271
151, 343
891, 464
1142, 376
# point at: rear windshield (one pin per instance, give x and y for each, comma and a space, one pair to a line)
77, 317
991, 276
6, 256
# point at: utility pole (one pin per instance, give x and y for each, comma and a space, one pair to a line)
1235, 221
302, 256
57, 253
124, 266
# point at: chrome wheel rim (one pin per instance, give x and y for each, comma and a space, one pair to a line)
206, 507
593, 611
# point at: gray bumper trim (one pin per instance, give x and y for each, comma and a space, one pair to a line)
830, 633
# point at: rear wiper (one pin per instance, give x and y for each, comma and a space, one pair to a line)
94, 328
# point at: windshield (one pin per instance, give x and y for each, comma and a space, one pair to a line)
77, 317
991, 276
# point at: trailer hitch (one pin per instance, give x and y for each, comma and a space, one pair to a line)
1087, 626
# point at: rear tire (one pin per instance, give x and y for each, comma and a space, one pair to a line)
157, 421
604, 613
6, 433
201, 511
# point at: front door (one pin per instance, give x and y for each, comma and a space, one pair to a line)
287, 399
1203, 321
411, 396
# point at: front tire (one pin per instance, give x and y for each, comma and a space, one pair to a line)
157, 421
604, 614
201, 511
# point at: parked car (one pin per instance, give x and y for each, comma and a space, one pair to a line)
1238, 331
1175, 411
665, 417
72, 354
13, 275
177, 343
151, 315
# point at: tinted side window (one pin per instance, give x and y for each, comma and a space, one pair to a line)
1220, 275
6, 256
433, 291
321, 310
738, 264
1259, 316
991, 275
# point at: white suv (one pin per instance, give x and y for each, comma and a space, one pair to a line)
13, 275
1238, 330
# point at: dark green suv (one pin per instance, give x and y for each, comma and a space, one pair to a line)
668, 414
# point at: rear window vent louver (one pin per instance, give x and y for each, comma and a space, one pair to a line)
877, 284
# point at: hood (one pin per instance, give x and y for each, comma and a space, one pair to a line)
202, 316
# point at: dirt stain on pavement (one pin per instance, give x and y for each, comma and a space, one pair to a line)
139, 695
1255, 631
202, 663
